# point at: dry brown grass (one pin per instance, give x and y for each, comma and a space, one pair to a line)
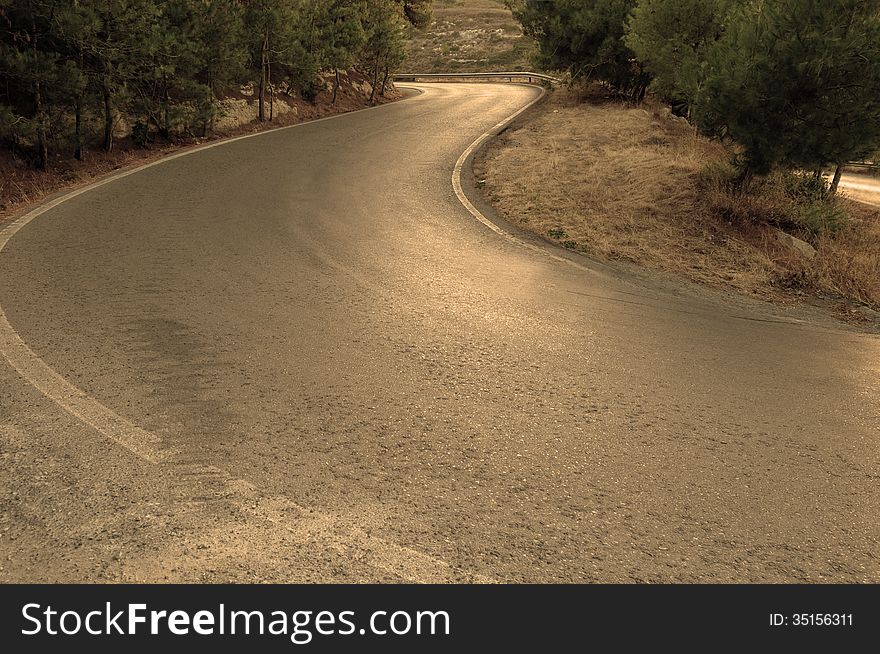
625, 183
849, 261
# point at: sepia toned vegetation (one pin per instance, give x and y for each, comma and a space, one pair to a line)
81, 73
637, 184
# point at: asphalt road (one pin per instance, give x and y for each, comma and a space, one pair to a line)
864, 188
297, 357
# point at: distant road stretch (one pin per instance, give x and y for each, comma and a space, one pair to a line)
861, 187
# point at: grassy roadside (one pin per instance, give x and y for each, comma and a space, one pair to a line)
469, 36
21, 185
636, 184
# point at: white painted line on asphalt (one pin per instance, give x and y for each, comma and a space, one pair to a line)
70, 398
326, 529
459, 166
74, 401
479, 215
545, 251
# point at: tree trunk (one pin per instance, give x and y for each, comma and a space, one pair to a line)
384, 82
270, 87
263, 58
166, 100
375, 79
210, 100
335, 86
271, 90
838, 172
261, 115
77, 110
212, 95
42, 146
78, 142
108, 115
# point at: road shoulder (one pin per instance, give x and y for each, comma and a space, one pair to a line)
538, 178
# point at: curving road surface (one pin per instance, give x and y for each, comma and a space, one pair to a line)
297, 357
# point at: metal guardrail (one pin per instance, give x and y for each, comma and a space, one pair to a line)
864, 168
510, 76
870, 167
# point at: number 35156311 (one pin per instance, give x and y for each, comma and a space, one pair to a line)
811, 620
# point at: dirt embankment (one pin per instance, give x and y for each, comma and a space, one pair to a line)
22, 185
634, 184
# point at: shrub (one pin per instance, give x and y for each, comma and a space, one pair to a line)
140, 134
788, 200
795, 83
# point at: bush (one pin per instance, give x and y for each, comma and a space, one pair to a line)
310, 89
788, 200
140, 134
804, 188
824, 217
795, 83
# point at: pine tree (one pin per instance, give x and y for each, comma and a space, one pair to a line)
796, 83
221, 53
29, 60
584, 38
384, 50
671, 37
121, 51
268, 25
73, 27
162, 65
341, 33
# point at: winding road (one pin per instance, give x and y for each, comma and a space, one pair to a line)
298, 357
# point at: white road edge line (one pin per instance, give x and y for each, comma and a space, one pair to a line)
34, 370
479, 215
473, 147
404, 562
476, 213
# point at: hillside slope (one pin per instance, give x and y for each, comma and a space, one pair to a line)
469, 36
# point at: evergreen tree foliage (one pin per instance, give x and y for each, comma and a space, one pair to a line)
385, 46
796, 83
671, 38
584, 38
74, 72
